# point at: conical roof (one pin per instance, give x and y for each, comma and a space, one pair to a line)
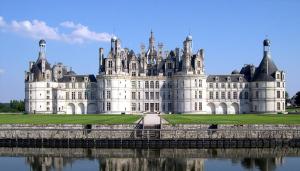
266, 69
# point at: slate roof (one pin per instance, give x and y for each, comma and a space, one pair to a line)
266, 69
78, 78
224, 78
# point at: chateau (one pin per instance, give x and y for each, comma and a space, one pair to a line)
153, 81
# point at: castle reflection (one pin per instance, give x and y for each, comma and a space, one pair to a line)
150, 160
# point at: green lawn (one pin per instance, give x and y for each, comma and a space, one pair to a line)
293, 109
233, 119
67, 119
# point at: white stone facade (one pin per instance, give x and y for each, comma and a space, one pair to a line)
153, 81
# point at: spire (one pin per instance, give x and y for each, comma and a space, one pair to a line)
266, 69
151, 41
42, 52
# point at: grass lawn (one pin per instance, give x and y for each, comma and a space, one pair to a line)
293, 109
67, 119
233, 119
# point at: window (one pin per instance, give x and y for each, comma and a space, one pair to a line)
109, 72
222, 85
139, 84
222, 95
217, 95
133, 65
73, 85
147, 95
108, 94
234, 95
157, 95
157, 84
151, 84
229, 85
157, 106
48, 85
196, 107
146, 106
195, 94
108, 107
241, 85
211, 95
133, 106
85, 95
228, 95
200, 83
241, 95
200, 94
195, 83
139, 95
256, 85
200, 106
217, 85
278, 84
256, 94
169, 65
283, 94
133, 95
108, 83
109, 64
73, 95
169, 106
198, 63
278, 105
133, 84
278, 94
133, 74
67, 85
210, 85
79, 95
151, 95
277, 76
146, 84
234, 85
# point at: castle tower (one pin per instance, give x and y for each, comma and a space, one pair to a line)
101, 59
187, 52
268, 89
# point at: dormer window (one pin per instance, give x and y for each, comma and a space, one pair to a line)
216, 78
73, 79
228, 79
85, 79
240, 79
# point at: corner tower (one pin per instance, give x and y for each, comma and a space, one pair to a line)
268, 85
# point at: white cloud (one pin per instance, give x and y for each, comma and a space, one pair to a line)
37, 29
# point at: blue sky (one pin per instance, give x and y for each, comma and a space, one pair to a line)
230, 31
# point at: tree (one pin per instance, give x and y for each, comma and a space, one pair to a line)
297, 98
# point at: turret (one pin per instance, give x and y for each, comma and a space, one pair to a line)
101, 59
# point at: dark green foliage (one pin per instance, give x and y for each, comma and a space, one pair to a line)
13, 106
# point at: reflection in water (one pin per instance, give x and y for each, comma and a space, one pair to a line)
139, 159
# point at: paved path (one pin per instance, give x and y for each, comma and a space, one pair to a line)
151, 119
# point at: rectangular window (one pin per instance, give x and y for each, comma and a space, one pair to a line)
217, 85
147, 95
234, 95
256, 94
146, 106
278, 105
196, 83
139, 95
278, 84
211, 95
133, 106
146, 84
139, 84
229, 85
157, 95
278, 94
241, 85
246, 95
73, 95
73, 85
228, 95
200, 106
169, 106
234, 85
217, 95
79, 95
157, 84
133, 95
195, 94
133, 66
151, 84
151, 95
133, 84
222, 85
108, 94
222, 95
200, 94
108, 107
210, 85
133, 74
156, 106
196, 107
200, 83
85, 95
